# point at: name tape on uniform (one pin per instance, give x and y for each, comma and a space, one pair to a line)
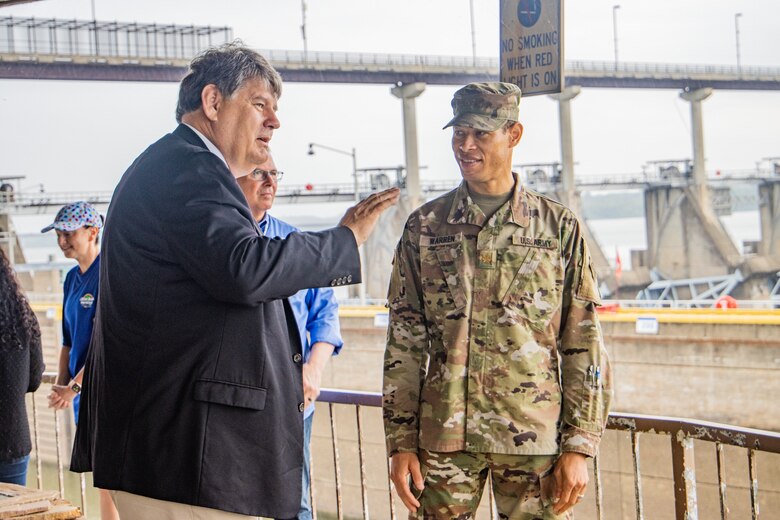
442, 240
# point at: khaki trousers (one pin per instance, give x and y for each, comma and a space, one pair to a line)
137, 507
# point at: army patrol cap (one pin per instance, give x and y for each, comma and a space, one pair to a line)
485, 106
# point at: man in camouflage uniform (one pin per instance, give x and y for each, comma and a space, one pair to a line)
495, 360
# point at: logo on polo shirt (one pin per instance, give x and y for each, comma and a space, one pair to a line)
87, 301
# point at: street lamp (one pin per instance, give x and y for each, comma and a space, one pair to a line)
614, 31
343, 152
736, 31
353, 154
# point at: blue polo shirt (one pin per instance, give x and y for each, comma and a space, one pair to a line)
316, 310
78, 313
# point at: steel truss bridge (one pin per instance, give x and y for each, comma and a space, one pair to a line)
38, 48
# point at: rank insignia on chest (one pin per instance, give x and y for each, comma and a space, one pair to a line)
487, 259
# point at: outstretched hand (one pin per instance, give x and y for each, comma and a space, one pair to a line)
363, 216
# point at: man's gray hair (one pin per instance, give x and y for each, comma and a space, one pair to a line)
227, 67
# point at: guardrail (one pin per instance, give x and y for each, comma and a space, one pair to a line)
28, 38
324, 192
63, 38
681, 433
669, 69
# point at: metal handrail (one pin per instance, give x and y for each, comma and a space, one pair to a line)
682, 433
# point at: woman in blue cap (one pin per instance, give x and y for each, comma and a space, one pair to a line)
78, 230
77, 226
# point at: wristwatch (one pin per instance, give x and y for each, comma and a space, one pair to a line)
75, 387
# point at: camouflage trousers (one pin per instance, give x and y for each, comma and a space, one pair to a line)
454, 483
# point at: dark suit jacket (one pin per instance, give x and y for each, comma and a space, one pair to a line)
193, 389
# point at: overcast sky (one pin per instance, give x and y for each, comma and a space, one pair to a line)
83, 135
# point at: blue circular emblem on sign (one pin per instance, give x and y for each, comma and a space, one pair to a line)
529, 11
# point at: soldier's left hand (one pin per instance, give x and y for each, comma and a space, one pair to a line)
570, 479
403, 466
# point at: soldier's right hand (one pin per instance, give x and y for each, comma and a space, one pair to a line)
402, 465
362, 217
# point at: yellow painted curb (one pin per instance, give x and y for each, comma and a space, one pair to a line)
713, 317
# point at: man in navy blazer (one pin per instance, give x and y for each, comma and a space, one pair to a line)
193, 397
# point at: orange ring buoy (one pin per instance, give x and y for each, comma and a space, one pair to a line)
726, 302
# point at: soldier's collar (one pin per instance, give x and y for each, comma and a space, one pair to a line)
465, 211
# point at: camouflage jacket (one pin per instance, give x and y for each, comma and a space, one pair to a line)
494, 344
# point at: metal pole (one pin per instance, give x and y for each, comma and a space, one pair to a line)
303, 31
362, 286
95, 27
355, 175
356, 187
614, 31
736, 31
640, 511
11, 243
473, 35
36, 448
361, 458
334, 436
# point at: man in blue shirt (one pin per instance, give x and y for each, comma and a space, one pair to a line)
316, 311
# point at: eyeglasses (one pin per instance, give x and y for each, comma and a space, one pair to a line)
261, 175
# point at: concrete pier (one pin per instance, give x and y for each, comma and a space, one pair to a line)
567, 193
769, 213
699, 174
407, 93
684, 238
378, 251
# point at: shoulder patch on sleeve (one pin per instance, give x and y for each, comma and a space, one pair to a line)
587, 287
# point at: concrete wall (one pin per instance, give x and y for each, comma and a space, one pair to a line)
715, 372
